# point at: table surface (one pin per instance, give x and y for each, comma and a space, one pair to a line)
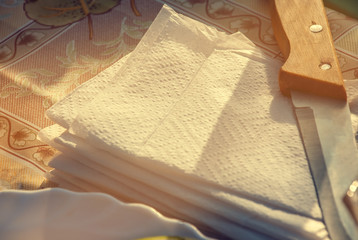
41, 63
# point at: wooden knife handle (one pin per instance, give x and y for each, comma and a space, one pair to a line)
311, 62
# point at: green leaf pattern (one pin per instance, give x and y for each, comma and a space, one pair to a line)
63, 12
52, 87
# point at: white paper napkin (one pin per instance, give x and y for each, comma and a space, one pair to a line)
194, 103
64, 111
227, 122
169, 33
107, 173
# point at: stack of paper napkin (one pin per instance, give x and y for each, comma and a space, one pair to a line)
192, 123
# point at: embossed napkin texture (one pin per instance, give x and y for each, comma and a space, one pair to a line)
209, 206
169, 48
195, 116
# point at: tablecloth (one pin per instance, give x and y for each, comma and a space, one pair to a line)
41, 62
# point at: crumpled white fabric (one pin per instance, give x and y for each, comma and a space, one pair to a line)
196, 116
59, 214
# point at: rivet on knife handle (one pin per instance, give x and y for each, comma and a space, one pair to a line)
311, 63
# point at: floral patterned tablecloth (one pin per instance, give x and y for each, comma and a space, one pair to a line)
48, 50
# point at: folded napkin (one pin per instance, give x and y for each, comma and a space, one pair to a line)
168, 48
120, 178
193, 118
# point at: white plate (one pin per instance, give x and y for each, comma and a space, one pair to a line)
62, 214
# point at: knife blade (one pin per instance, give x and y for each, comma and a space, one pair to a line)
311, 76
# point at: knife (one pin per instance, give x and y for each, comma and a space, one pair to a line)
311, 76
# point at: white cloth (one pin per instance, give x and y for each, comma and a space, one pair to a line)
59, 214
196, 115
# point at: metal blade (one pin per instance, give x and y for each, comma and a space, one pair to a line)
326, 131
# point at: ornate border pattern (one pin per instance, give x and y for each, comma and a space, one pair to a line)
19, 139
